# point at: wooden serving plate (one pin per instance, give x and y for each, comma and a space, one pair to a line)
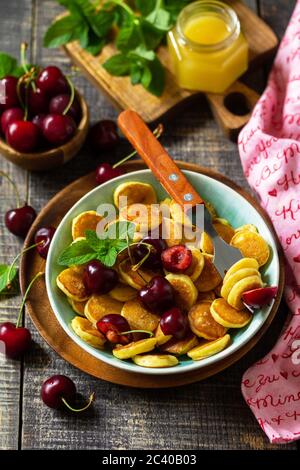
44, 319
261, 39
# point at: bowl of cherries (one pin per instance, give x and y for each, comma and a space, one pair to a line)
43, 119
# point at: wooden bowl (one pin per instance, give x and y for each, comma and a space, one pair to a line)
42, 161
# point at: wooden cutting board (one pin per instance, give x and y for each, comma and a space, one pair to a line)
231, 109
40, 311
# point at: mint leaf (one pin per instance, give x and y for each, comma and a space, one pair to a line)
63, 31
128, 36
142, 53
135, 73
157, 83
118, 65
95, 44
161, 19
77, 253
9, 66
145, 7
120, 231
109, 257
93, 240
4, 281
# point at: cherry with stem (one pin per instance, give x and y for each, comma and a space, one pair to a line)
59, 391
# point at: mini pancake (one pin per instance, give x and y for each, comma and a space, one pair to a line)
145, 217
171, 232
123, 293
71, 283
206, 244
178, 215
241, 264
132, 349
155, 360
224, 229
78, 307
210, 348
209, 278
211, 209
133, 278
209, 295
235, 295
134, 192
185, 291
99, 305
85, 221
161, 338
202, 322
235, 277
228, 316
217, 290
138, 317
179, 347
247, 227
85, 330
251, 245
197, 265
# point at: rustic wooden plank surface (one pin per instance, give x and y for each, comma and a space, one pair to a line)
207, 415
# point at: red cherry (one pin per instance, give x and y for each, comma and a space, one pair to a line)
16, 340
103, 136
45, 235
174, 322
23, 136
59, 103
176, 259
98, 279
52, 81
154, 259
112, 325
157, 295
57, 387
106, 172
258, 297
9, 116
18, 221
58, 129
37, 101
9, 98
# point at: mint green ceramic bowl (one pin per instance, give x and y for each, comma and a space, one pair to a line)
229, 205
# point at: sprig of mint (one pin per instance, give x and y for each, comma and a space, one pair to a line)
8, 278
142, 26
104, 248
9, 66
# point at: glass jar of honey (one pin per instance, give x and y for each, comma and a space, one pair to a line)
207, 48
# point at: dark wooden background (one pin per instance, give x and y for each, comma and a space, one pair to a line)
207, 415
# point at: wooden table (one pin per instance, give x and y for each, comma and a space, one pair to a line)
207, 415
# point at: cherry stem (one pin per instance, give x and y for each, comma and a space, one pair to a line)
71, 97
150, 248
16, 259
157, 132
150, 333
90, 401
40, 273
24, 47
17, 194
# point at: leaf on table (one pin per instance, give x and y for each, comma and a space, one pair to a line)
6, 283
9, 66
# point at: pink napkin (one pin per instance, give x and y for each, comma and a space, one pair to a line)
269, 147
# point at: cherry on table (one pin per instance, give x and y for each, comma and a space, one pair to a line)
99, 279
59, 391
58, 129
112, 326
176, 259
52, 81
10, 97
43, 238
17, 340
174, 322
157, 295
59, 103
22, 136
106, 172
154, 259
38, 101
103, 136
9, 116
19, 220
259, 297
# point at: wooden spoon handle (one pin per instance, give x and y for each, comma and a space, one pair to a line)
157, 159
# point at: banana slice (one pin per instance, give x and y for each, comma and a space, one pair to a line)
155, 360
171, 232
241, 264
224, 229
235, 277
235, 295
134, 192
247, 227
197, 265
99, 305
161, 338
71, 283
85, 221
78, 307
209, 278
85, 330
135, 279
138, 317
206, 244
209, 348
135, 348
145, 217
202, 322
123, 293
228, 316
251, 245
180, 347
185, 291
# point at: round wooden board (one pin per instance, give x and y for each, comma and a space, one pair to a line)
44, 319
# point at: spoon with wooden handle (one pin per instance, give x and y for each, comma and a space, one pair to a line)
175, 183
